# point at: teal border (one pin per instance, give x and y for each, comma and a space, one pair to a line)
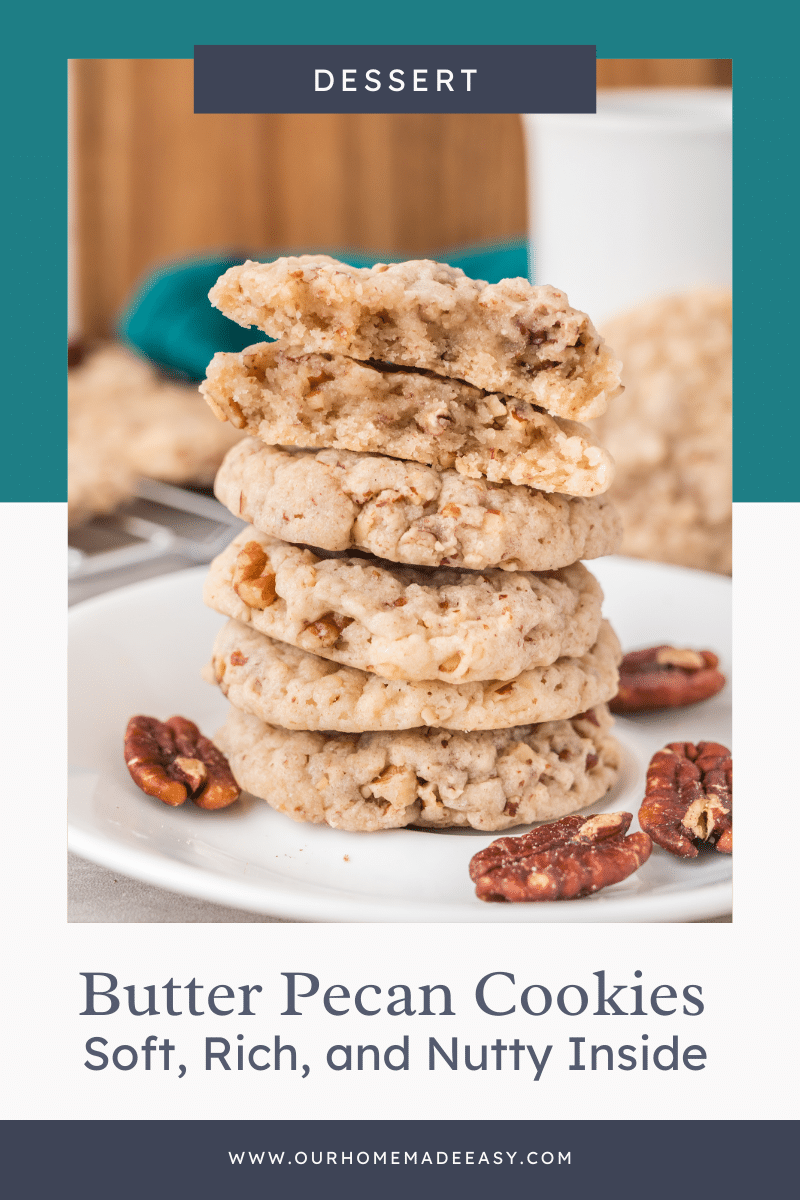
40, 38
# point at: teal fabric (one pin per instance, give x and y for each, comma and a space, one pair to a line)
170, 321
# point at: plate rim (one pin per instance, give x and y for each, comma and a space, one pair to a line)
715, 899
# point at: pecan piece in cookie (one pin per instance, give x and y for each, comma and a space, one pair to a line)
250, 582
666, 677
324, 633
573, 857
689, 798
172, 761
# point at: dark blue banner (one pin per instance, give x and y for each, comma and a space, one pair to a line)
570, 1160
394, 79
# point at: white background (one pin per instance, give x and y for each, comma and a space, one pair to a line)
747, 969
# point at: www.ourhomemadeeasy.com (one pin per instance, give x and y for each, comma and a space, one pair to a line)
399, 1158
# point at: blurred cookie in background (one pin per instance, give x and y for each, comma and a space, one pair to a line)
670, 430
127, 421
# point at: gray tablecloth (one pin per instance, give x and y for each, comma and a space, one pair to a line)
96, 894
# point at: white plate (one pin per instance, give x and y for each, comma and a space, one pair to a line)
140, 650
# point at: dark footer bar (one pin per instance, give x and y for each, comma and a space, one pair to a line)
305, 1159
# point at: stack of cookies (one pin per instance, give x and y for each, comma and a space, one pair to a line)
412, 639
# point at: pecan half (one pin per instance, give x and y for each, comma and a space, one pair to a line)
689, 798
573, 857
666, 677
172, 761
252, 584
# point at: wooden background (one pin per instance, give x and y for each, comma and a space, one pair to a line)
153, 181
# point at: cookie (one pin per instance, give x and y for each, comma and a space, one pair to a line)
506, 337
410, 623
127, 421
286, 397
408, 513
670, 432
285, 686
427, 777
